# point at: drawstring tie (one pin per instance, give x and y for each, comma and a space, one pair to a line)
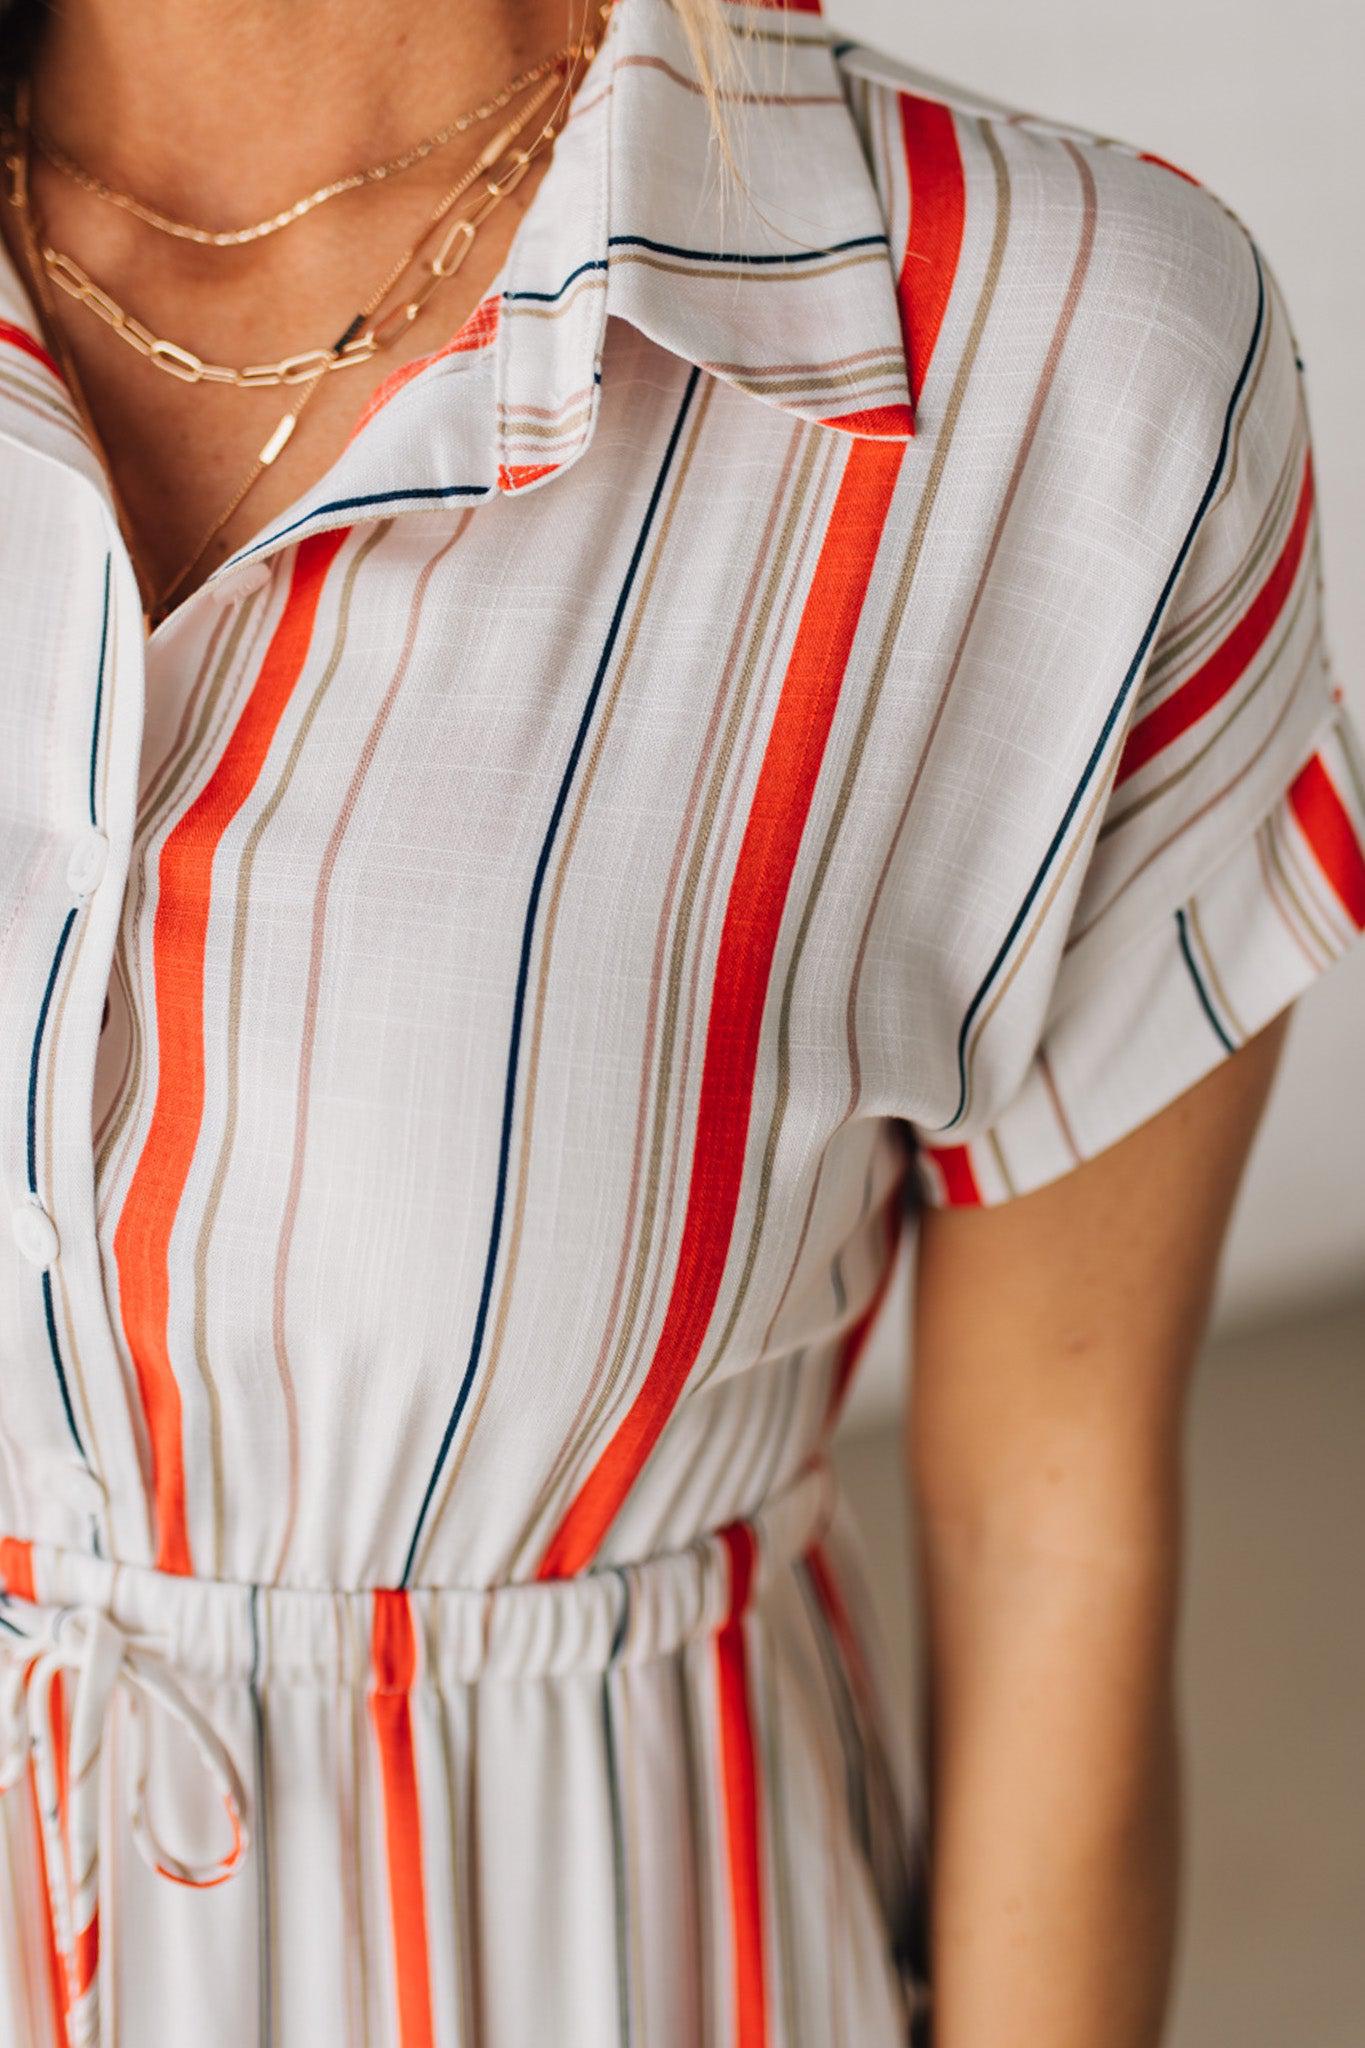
65, 1742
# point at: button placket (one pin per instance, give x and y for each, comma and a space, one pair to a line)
46, 1237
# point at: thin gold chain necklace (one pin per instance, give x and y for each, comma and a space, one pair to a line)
357, 345
157, 602
229, 238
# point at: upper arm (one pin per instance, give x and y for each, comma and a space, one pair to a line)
1054, 1333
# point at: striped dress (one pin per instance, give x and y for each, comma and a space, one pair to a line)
812, 704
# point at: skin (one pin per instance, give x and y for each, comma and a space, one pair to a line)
222, 112
1054, 1340
1054, 1336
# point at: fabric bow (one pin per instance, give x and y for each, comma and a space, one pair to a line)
63, 1737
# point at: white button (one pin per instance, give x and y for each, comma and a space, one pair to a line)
86, 865
241, 584
35, 1233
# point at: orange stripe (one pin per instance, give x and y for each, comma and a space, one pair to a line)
758, 895
739, 1769
477, 332
884, 422
1229, 662
56, 1973
142, 1239
1326, 825
56, 1723
87, 1957
394, 1662
517, 475
16, 1567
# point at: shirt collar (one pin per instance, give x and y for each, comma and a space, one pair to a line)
781, 283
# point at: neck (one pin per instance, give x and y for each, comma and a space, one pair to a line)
224, 108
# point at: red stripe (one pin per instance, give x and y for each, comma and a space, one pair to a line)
856, 1336
394, 1663
938, 205
26, 344
1326, 825
841, 1623
16, 1567
739, 1772
142, 1239
1148, 156
954, 1162
758, 894
1224, 668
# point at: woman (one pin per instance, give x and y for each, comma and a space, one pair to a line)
530, 827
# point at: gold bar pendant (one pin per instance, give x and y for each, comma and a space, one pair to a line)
277, 440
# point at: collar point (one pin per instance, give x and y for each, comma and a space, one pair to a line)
877, 423
521, 476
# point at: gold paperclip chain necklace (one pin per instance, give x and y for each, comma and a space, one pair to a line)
446, 261
357, 345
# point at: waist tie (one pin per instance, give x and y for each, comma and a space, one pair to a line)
140, 1631
65, 1742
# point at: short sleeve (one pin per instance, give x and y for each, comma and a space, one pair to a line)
1226, 871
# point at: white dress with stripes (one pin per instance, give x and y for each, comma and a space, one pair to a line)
813, 702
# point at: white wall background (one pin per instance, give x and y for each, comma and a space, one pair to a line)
1264, 103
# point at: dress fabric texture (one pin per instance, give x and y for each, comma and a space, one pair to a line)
814, 703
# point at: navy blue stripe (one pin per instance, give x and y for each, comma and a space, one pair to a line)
36, 1055
35, 1061
99, 686
54, 1346
524, 965
422, 492
1134, 670
548, 298
740, 256
1205, 1000
618, 1634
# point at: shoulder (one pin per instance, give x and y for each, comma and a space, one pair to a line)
1151, 265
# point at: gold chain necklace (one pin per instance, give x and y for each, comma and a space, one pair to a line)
228, 238
358, 344
455, 247
495, 190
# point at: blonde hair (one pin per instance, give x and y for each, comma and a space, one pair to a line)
714, 44
711, 42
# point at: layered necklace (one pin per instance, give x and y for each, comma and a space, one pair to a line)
388, 312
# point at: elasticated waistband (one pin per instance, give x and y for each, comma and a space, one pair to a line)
611, 1614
